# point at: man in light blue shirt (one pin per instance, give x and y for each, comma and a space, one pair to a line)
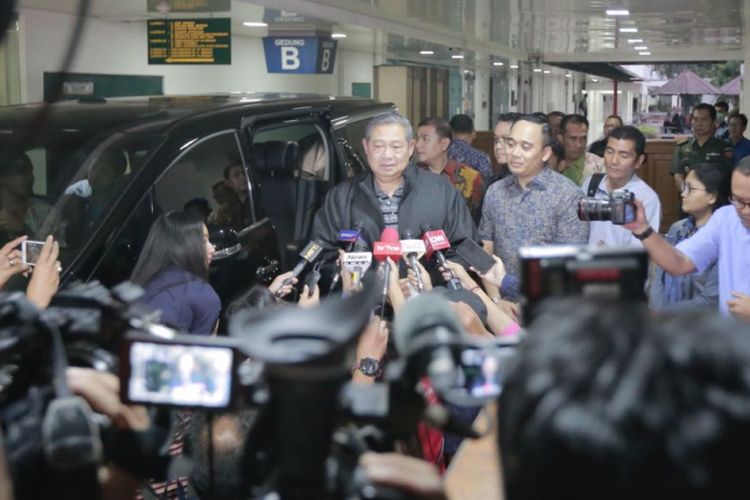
725, 238
623, 156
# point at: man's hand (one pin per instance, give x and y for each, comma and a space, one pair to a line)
307, 299
740, 306
460, 272
496, 273
46, 275
10, 260
278, 288
426, 280
371, 344
640, 224
417, 477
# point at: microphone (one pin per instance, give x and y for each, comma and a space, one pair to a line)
412, 249
388, 246
426, 333
357, 262
308, 255
350, 238
435, 242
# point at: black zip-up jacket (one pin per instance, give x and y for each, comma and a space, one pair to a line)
428, 199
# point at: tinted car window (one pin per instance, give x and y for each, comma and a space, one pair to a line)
349, 139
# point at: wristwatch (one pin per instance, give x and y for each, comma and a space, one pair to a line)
645, 234
369, 366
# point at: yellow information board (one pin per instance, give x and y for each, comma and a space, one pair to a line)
190, 41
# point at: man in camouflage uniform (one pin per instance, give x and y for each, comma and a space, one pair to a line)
703, 147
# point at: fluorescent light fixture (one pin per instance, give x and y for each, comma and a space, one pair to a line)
537, 70
628, 30
338, 35
641, 47
618, 12
635, 40
254, 24
497, 63
595, 80
457, 56
547, 72
427, 52
644, 53
568, 75
514, 66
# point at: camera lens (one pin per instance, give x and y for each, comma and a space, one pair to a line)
592, 209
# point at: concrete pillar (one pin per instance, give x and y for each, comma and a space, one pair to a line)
483, 14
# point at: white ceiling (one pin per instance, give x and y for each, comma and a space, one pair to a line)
545, 30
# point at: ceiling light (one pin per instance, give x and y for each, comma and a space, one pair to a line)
628, 30
568, 75
635, 40
497, 63
514, 66
537, 70
644, 53
254, 24
338, 35
595, 80
457, 56
547, 72
427, 52
641, 47
618, 12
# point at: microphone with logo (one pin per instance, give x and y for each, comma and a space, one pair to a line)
435, 241
347, 238
429, 339
307, 256
357, 262
412, 249
388, 246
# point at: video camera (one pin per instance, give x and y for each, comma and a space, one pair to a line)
601, 272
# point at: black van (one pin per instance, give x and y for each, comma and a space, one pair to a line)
104, 170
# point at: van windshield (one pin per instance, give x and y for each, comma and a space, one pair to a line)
64, 182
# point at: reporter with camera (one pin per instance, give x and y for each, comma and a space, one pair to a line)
724, 239
624, 154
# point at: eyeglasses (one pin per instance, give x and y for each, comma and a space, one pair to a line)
689, 189
380, 149
738, 203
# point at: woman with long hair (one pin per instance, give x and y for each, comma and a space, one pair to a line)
706, 188
173, 270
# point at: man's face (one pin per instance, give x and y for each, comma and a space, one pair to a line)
609, 125
702, 123
526, 153
741, 192
388, 151
621, 160
501, 134
574, 140
554, 123
430, 146
736, 130
19, 182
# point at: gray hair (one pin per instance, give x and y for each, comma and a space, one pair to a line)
743, 166
391, 118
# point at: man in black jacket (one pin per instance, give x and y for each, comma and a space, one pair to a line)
394, 193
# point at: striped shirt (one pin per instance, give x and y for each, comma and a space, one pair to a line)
389, 205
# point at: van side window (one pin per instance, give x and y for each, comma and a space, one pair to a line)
209, 180
349, 138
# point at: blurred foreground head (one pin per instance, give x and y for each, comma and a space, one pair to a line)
607, 402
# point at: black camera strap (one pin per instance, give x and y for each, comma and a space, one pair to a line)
596, 179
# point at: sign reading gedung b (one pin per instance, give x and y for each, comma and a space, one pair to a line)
308, 54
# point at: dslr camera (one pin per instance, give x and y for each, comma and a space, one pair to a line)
618, 208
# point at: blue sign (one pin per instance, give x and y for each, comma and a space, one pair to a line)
307, 54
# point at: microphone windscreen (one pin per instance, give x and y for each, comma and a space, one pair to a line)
389, 234
422, 315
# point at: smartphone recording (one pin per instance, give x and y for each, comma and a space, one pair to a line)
30, 251
160, 373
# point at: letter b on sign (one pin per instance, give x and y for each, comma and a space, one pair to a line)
290, 58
